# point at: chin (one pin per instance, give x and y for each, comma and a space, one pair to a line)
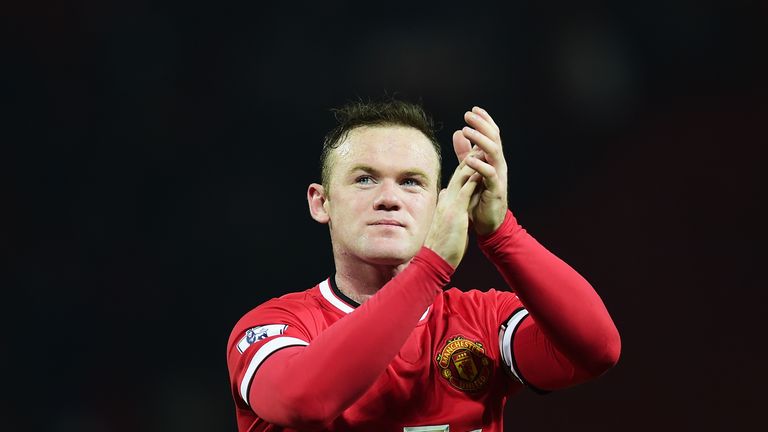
386, 256
387, 261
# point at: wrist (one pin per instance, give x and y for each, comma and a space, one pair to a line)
489, 227
436, 261
508, 227
485, 230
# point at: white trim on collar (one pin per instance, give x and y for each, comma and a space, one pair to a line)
327, 292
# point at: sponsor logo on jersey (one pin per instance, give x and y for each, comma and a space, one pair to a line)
256, 334
463, 363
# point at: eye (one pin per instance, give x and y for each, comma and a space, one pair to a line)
364, 180
411, 182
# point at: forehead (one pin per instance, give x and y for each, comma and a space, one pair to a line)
387, 147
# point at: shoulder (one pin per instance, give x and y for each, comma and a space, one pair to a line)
296, 304
296, 309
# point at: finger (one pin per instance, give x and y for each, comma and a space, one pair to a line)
484, 114
465, 193
486, 170
481, 124
475, 199
442, 193
491, 148
461, 145
459, 177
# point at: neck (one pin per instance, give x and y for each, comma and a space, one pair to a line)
360, 280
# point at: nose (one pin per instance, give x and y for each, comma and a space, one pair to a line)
388, 198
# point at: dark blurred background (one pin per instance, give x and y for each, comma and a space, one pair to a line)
155, 158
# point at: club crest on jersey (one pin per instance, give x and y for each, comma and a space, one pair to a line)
258, 333
464, 365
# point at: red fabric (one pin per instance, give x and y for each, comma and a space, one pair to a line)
336, 371
412, 390
377, 368
569, 336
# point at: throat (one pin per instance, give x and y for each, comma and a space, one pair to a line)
355, 297
358, 287
353, 291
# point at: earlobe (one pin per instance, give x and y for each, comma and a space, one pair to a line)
316, 200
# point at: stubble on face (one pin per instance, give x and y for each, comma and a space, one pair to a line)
372, 179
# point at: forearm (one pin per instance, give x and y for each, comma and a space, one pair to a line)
309, 387
561, 302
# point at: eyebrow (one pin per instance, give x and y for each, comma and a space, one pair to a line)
411, 172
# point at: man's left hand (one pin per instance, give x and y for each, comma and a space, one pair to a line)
479, 144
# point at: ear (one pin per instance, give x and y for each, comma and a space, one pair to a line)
316, 199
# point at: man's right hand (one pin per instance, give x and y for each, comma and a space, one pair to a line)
448, 235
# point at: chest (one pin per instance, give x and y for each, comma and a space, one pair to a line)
447, 372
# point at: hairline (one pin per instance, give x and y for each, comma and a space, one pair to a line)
330, 160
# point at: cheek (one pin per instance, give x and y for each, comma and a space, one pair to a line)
423, 212
348, 208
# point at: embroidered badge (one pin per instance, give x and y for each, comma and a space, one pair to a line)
258, 333
464, 364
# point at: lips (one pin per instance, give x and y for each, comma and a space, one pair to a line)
388, 222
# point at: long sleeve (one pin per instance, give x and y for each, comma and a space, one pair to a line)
570, 337
310, 386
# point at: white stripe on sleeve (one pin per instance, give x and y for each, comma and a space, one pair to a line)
261, 354
505, 340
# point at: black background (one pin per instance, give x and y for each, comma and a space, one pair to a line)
156, 155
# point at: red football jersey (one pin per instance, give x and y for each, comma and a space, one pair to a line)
450, 373
387, 366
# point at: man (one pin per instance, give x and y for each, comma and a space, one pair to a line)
379, 345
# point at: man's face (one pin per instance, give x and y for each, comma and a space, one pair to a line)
382, 193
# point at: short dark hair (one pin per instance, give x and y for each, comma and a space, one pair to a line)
386, 112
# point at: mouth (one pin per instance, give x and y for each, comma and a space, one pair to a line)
388, 222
